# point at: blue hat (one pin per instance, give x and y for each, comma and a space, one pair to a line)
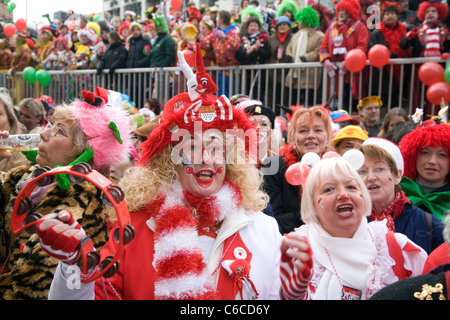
283, 19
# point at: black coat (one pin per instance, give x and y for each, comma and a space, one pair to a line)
136, 53
113, 58
284, 197
406, 289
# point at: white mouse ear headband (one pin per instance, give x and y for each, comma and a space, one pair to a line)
297, 173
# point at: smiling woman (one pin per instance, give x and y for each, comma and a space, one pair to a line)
337, 254
382, 177
200, 232
310, 131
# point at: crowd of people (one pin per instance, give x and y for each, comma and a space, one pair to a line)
280, 32
309, 203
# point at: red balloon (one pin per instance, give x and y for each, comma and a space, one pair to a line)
437, 92
189, 56
176, 4
431, 72
355, 60
379, 55
297, 173
21, 24
9, 29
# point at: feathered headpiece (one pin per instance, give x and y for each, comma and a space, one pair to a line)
106, 127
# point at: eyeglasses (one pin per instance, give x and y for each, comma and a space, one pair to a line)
55, 129
378, 171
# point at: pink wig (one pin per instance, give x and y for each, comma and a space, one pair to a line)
96, 124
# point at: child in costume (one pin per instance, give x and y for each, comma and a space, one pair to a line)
61, 57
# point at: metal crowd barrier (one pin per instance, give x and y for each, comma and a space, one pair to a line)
266, 82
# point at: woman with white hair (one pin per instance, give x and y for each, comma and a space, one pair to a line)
337, 254
147, 114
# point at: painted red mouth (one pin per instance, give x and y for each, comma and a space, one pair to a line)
204, 177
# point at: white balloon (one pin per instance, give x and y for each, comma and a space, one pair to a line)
354, 157
310, 158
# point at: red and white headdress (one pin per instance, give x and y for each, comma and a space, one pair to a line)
186, 109
88, 32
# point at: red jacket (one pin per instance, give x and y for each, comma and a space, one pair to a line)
357, 36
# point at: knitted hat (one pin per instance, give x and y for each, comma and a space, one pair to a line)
417, 140
369, 100
283, 19
88, 32
442, 9
391, 148
350, 132
194, 13
352, 7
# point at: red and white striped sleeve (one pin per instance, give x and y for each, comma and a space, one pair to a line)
294, 282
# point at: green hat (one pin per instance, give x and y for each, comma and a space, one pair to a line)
308, 17
160, 23
289, 6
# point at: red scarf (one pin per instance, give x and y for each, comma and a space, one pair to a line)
181, 272
282, 36
392, 211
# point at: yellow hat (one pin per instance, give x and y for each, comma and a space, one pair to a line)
368, 100
349, 132
135, 24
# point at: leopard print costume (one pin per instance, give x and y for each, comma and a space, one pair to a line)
27, 270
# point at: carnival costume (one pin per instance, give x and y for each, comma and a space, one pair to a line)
188, 246
27, 270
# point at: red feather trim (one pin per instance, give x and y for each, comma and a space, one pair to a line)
392, 36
